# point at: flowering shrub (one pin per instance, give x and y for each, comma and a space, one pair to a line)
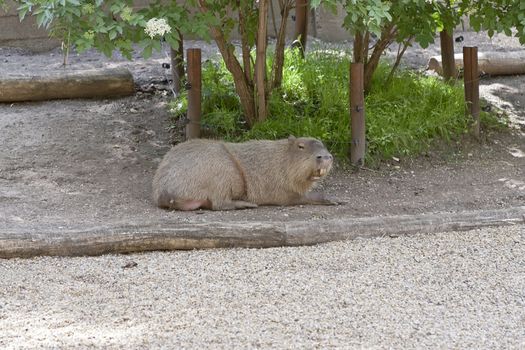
157, 27
115, 25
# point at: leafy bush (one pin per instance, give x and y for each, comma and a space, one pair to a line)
404, 115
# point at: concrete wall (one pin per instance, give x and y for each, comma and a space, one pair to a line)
25, 34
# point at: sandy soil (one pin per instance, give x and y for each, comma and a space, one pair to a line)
86, 162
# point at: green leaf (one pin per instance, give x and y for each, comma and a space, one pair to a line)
157, 45
172, 40
147, 52
23, 10
112, 34
315, 3
42, 19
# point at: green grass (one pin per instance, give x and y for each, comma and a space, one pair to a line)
403, 117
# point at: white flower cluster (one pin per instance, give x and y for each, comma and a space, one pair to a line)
157, 26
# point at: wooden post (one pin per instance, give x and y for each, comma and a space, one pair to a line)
260, 60
177, 65
301, 23
471, 82
447, 56
357, 114
194, 93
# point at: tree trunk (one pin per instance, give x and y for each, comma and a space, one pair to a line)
260, 60
243, 86
278, 63
400, 53
358, 50
177, 65
387, 37
447, 56
245, 48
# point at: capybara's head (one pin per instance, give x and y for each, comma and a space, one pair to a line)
309, 158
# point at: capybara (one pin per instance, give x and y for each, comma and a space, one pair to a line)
218, 175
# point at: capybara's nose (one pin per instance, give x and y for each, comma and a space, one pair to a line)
324, 160
326, 157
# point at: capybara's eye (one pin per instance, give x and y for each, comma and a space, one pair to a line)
301, 146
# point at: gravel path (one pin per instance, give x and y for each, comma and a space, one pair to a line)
452, 290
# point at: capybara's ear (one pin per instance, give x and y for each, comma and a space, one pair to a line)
291, 139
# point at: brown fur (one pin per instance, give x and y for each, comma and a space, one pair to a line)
220, 176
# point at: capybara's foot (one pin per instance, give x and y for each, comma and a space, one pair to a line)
317, 198
244, 205
165, 200
232, 205
192, 204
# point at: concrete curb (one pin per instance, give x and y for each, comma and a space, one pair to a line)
27, 242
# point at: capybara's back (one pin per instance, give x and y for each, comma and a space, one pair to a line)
220, 176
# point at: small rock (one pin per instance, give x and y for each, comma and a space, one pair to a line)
129, 265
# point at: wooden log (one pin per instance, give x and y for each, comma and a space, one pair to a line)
491, 63
41, 240
67, 84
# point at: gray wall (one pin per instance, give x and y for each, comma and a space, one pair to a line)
25, 34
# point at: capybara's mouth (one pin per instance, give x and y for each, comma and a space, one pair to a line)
318, 174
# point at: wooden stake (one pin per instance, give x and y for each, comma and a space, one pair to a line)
447, 56
357, 114
193, 128
301, 23
471, 82
260, 60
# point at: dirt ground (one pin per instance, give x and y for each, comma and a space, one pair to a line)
80, 163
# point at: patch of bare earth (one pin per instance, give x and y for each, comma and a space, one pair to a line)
89, 162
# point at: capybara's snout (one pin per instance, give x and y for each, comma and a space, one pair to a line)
324, 164
325, 160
